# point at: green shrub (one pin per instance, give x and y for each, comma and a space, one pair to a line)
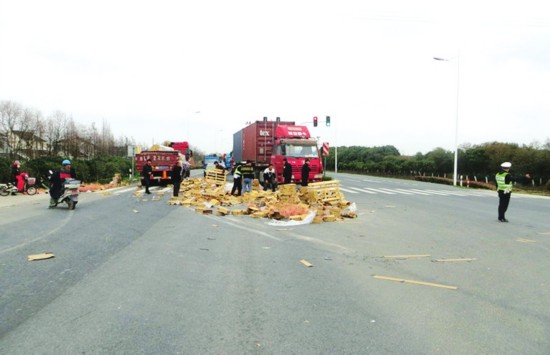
101, 169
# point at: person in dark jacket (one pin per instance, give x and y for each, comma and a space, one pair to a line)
504, 188
287, 172
305, 173
248, 176
58, 178
237, 179
218, 166
176, 176
147, 174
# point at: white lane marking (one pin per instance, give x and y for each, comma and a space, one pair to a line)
236, 225
381, 191
434, 192
447, 193
350, 191
320, 242
122, 191
418, 192
402, 191
362, 190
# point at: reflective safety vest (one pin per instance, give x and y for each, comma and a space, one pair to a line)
238, 171
501, 183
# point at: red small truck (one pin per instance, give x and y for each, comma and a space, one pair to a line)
163, 160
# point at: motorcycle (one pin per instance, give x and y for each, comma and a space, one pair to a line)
6, 189
25, 183
69, 194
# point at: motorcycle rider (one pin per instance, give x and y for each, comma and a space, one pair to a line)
58, 178
15, 171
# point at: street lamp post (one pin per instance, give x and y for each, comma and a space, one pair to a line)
335, 151
455, 172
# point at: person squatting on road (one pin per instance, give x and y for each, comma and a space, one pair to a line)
58, 178
147, 174
248, 176
504, 188
237, 179
270, 181
177, 176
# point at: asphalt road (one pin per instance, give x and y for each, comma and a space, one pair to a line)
135, 275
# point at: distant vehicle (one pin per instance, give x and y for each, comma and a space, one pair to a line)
183, 148
228, 160
264, 142
211, 158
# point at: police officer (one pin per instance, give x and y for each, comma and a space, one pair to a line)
504, 188
237, 179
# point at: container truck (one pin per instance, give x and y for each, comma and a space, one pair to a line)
265, 142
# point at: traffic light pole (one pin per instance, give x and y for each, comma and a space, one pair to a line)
327, 123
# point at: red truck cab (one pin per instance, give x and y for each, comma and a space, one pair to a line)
295, 144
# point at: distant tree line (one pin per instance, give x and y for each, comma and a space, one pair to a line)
26, 134
477, 162
41, 143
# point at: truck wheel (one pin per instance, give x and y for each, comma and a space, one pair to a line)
31, 190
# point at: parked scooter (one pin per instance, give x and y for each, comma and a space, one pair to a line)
69, 194
25, 184
6, 189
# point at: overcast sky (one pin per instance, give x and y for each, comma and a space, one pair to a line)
199, 70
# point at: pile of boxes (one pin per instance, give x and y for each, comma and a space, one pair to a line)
209, 196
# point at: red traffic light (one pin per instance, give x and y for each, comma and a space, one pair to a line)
314, 121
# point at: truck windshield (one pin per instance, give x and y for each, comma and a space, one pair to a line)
301, 151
